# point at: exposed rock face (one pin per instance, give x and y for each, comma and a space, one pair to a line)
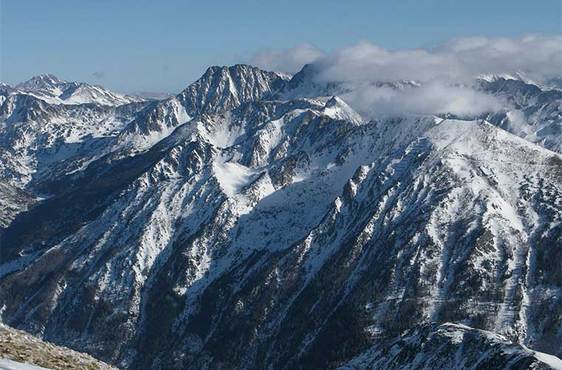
223, 88
12, 202
16, 345
245, 224
536, 113
218, 90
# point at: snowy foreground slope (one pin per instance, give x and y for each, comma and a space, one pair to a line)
14, 365
256, 221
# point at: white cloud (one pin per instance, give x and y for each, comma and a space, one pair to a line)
446, 72
368, 62
538, 57
431, 98
287, 60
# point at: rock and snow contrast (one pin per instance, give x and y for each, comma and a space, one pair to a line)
451, 346
258, 220
54, 91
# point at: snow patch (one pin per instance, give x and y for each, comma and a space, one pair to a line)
232, 177
13, 365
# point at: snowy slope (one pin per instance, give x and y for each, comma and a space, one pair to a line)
218, 90
252, 221
451, 346
13, 365
535, 113
36, 137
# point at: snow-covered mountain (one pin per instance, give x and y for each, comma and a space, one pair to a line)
36, 137
257, 221
55, 91
534, 113
218, 90
451, 346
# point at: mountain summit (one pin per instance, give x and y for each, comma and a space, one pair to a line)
39, 82
55, 91
222, 88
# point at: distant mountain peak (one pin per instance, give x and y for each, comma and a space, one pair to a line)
53, 90
40, 81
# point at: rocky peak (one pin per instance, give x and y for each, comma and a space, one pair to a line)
51, 89
223, 88
337, 108
41, 81
5, 86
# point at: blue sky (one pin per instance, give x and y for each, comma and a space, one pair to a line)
163, 45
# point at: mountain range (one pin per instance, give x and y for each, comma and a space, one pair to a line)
261, 220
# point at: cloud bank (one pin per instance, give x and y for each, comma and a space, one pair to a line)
537, 57
432, 98
445, 73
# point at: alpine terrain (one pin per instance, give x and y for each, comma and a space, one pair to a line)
258, 220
